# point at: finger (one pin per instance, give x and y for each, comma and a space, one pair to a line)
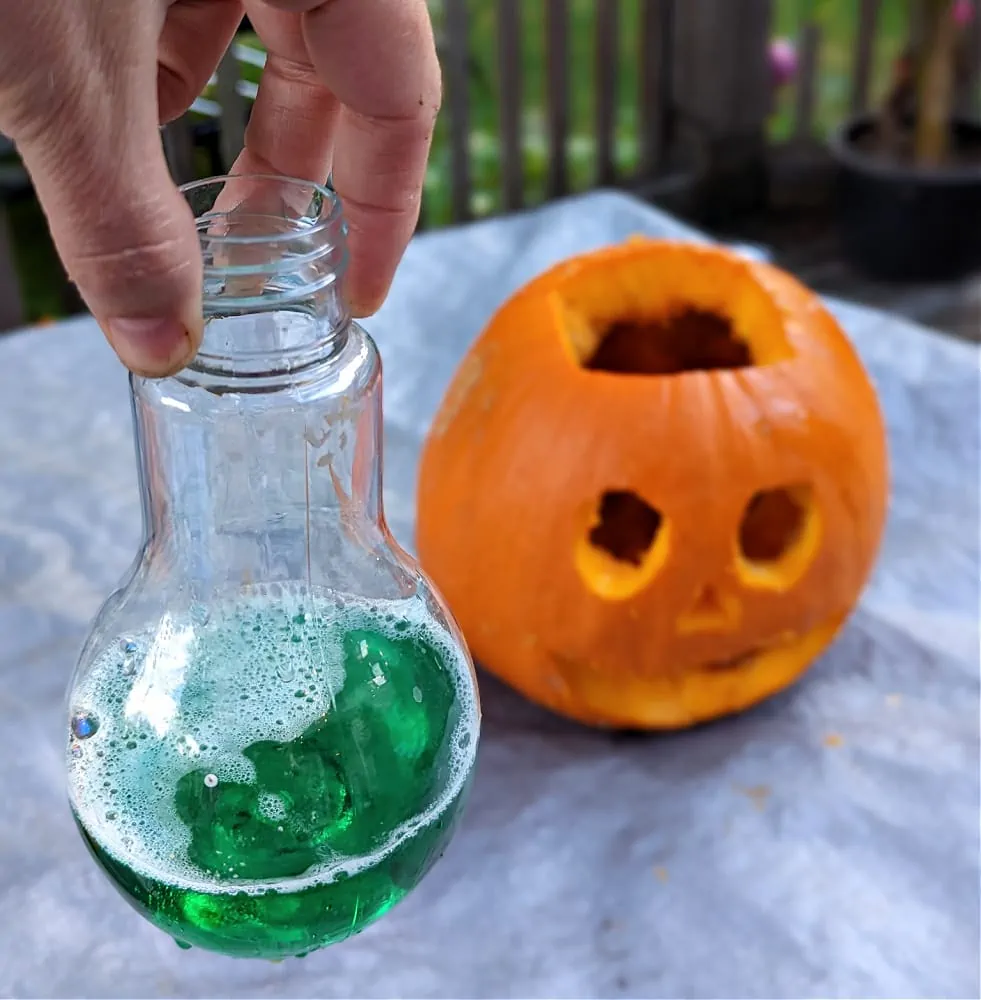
291, 127
124, 232
378, 59
291, 121
195, 36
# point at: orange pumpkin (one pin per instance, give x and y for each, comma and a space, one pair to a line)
656, 486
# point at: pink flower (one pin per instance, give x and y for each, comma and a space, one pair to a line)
963, 12
783, 61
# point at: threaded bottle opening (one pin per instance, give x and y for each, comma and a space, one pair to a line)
274, 252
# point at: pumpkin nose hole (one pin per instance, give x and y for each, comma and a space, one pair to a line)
627, 527
711, 611
692, 340
623, 546
778, 535
707, 602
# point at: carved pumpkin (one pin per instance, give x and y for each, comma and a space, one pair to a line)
656, 486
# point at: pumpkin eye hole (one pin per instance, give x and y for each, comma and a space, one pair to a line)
623, 546
626, 528
778, 535
691, 340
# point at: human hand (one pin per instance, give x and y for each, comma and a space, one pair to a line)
351, 88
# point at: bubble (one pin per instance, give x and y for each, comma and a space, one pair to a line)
187, 746
84, 725
272, 806
226, 665
130, 649
284, 668
76, 751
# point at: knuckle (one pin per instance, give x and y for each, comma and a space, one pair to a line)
138, 260
291, 72
295, 6
145, 272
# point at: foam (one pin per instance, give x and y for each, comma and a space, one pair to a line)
233, 695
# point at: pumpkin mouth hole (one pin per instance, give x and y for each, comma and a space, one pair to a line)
627, 527
737, 661
688, 341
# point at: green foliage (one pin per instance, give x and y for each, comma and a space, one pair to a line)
837, 20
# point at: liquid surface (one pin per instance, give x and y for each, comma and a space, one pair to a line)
266, 778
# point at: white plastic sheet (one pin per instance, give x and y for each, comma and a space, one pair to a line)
823, 845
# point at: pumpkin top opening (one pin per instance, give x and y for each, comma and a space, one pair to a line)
658, 308
690, 340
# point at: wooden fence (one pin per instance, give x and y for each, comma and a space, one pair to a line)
703, 99
700, 108
702, 75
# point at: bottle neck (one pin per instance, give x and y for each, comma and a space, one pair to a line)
271, 312
263, 475
261, 461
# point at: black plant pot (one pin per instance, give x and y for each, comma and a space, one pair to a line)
900, 222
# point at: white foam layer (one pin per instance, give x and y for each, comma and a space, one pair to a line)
199, 690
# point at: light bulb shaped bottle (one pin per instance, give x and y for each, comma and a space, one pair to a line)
273, 723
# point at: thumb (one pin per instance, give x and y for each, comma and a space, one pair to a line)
125, 234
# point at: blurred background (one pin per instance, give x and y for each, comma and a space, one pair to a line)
793, 125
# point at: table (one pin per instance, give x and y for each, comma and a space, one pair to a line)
823, 845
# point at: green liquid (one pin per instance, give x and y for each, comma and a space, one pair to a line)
275, 847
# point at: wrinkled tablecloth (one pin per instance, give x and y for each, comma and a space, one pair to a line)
823, 845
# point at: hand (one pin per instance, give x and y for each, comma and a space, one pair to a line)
350, 87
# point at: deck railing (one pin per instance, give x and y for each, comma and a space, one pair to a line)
701, 104
680, 95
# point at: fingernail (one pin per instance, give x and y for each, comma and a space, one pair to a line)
363, 307
151, 347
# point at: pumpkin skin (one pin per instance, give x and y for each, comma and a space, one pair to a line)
641, 547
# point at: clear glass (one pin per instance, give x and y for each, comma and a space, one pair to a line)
273, 723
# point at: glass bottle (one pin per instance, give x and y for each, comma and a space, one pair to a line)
273, 722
